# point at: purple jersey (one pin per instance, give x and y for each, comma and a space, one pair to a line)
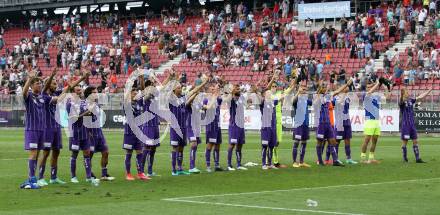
302, 111
213, 116
96, 130
407, 113
193, 120
268, 114
78, 130
342, 114
136, 109
236, 111
178, 108
151, 107
322, 105
52, 118
35, 114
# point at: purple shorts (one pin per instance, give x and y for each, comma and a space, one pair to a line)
76, 145
192, 137
408, 133
98, 144
33, 140
153, 136
52, 139
176, 140
346, 134
268, 137
301, 133
236, 136
325, 131
214, 136
131, 142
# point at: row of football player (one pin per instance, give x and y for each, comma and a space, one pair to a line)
43, 132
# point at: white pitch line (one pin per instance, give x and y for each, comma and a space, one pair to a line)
264, 207
300, 189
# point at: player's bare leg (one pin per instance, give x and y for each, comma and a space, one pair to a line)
364, 148
371, 158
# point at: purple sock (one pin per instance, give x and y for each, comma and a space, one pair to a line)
238, 156
319, 153
104, 171
73, 166
269, 156
151, 161
416, 151
88, 167
173, 160
348, 151
229, 157
405, 153
303, 152
333, 152
327, 153
145, 158
41, 171
217, 157
127, 162
337, 148
263, 155
192, 157
179, 161
139, 165
295, 151
32, 165
208, 157
53, 172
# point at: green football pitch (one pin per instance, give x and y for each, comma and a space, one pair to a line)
390, 187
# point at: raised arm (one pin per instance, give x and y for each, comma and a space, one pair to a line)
423, 95
27, 85
198, 88
49, 81
86, 75
275, 75
401, 96
191, 99
374, 88
336, 92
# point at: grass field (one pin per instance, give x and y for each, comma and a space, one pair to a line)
387, 188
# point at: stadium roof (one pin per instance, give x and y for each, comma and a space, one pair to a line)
20, 5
